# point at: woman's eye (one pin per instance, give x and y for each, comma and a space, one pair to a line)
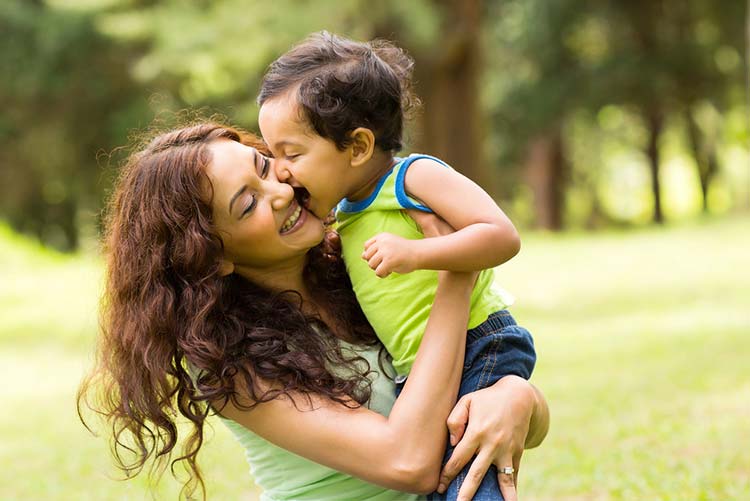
249, 208
265, 167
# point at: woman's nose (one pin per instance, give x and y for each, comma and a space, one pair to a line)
281, 194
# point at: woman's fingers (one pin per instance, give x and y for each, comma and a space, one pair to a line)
508, 482
461, 455
516, 466
474, 477
458, 418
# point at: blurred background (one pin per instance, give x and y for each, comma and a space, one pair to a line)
614, 133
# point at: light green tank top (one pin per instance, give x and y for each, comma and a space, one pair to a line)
398, 306
284, 475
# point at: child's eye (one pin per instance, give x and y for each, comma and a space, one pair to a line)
291, 157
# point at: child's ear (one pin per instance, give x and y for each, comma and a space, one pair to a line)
362, 146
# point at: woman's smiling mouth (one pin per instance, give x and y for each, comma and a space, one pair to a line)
293, 219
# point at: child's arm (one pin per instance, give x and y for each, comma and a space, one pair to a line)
484, 236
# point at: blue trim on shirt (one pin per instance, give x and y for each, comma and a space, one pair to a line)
347, 205
401, 195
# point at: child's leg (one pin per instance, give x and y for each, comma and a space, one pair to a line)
496, 348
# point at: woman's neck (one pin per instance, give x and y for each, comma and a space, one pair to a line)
282, 277
289, 276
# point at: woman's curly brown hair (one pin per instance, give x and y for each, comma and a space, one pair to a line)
177, 337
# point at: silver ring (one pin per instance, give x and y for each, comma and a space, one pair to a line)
507, 470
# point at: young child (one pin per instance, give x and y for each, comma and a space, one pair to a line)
332, 113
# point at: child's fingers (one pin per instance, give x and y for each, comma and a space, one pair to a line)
375, 261
383, 270
369, 252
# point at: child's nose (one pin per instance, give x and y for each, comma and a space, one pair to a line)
281, 168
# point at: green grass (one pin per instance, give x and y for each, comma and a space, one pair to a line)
643, 354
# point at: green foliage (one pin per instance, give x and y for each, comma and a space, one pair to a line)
81, 75
69, 96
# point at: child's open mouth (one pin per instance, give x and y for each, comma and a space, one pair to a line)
302, 196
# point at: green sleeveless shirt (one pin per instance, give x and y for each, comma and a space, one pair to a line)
398, 306
284, 475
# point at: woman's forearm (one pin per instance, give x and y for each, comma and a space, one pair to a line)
417, 421
402, 451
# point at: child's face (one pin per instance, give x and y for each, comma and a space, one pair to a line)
303, 158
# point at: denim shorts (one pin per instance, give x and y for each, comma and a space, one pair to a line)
496, 348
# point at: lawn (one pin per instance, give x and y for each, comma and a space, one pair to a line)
643, 354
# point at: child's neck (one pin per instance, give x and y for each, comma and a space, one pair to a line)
380, 163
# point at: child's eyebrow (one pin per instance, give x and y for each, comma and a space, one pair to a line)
283, 143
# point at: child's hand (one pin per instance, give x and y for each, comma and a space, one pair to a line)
386, 253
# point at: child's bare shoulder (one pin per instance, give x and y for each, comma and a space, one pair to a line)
425, 171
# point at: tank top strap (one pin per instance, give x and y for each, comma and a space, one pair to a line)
403, 198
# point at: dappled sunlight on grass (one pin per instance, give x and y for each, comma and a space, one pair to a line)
642, 339
642, 354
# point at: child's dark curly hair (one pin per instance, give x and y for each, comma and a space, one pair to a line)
341, 84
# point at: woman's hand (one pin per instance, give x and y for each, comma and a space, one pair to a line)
495, 424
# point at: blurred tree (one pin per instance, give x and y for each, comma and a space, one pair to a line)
500, 80
662, 59
217, 56
447, 79
688, 60
65, 95
538, 79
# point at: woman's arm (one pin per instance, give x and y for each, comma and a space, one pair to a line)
496, 424
484, 236
499, 421
402, 451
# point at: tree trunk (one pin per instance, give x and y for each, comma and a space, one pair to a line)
704, 155
546, 174
655, 124
447, 82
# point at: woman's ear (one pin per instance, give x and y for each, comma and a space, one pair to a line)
362, 146
225, 267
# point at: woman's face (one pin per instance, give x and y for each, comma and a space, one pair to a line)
260, 222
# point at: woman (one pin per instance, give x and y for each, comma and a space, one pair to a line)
221, 298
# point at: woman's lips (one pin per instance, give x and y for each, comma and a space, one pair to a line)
295, 219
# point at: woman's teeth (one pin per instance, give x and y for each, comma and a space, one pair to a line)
292, 219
